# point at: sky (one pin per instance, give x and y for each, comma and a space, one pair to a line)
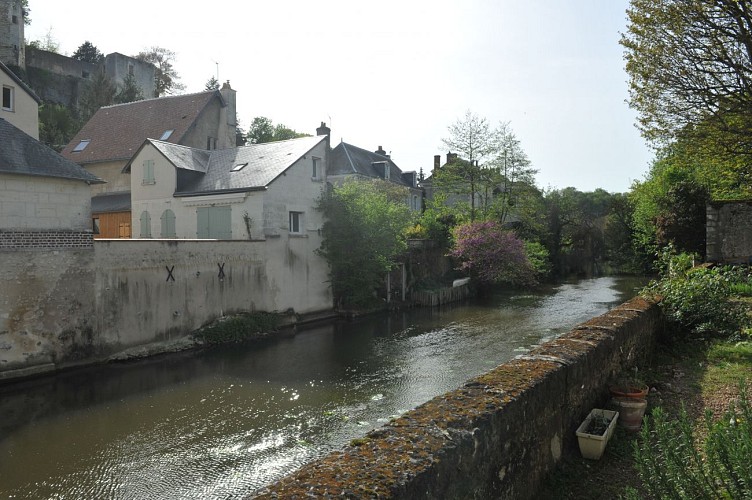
397, 73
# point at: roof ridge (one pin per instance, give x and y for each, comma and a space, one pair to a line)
158, 99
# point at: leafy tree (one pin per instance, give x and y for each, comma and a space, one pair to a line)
48, 43
491, 254
212, 84
263, 130
87, 52
129, 91
26, 12
364, 232
167, 79
99, 92
690, 69
57, 125
487, 167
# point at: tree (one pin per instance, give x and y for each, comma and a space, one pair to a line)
363, 234
166, 82
87, 52
492, 255
263, 130
129, 91
99, 92
690, 69
212, 84
485, 166
57, 125
26, 11
48, 43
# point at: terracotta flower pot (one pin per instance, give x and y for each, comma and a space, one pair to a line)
629, 390
631, 411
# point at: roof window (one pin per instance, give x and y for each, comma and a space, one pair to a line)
238, 167
166, 134
81, 145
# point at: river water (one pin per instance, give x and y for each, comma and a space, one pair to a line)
220, 423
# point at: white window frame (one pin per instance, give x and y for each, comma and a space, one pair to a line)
296, 222
11, 98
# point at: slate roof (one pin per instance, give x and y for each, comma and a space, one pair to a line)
202, 172
348, 159
22, 154
116, 132
20, 83
111, 202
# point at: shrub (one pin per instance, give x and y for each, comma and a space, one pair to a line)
673, 463
697, 299
238, 328
492, 255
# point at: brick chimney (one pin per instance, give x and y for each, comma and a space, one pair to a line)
436, 162
380, 151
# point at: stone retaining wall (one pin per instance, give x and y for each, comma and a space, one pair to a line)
500, 434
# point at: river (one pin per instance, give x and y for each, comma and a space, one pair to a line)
222, 422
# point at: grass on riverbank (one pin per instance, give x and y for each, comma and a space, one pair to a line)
696, 373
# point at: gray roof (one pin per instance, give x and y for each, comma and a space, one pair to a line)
20, 82
202, 172
348, 159
111, 202
22, 154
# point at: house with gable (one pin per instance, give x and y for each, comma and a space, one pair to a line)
20, 105
108, 141
351, 162
253, 192
44, 198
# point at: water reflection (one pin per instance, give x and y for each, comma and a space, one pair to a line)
226, 421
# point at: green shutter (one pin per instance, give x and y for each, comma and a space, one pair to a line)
202, 225
168, 224
145, 225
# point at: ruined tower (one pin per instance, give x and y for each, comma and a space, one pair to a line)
12, 47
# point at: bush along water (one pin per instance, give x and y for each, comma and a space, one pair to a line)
697, 299
238, 328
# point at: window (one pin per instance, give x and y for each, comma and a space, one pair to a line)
148, 172
145, 224
130, 69
315, 171
81, 145
296, 222
166, 134
95, 225
239, 167
168, 224
211, 143
7, 98
214, 222
14, 19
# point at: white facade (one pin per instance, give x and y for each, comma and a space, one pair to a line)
256, 213
17, 106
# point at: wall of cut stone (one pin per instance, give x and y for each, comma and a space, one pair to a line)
64, 307
500, 434
729, 232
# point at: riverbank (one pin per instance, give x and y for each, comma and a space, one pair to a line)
696, 373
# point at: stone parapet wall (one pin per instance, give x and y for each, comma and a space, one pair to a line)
45, 240
500, 434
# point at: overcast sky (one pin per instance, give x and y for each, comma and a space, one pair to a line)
396, 74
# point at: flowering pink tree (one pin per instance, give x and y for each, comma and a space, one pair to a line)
492, 255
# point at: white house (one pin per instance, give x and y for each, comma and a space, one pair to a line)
19, 105
251, 192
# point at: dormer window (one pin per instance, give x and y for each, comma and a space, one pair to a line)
239, 167
166, 134
81, 145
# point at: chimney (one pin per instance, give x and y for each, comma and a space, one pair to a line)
436, 162
380, 151
451, 157
323, 130
231, 119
